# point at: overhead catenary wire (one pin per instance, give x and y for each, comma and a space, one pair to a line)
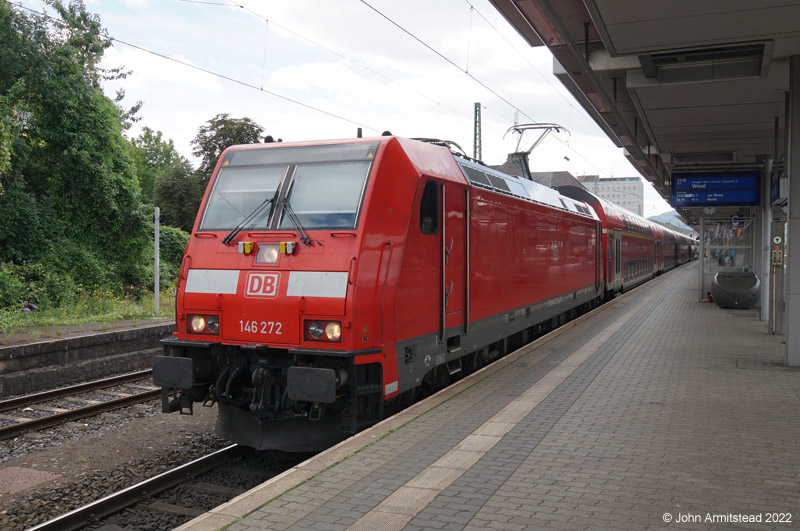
547, 80
465, 71
473, 77
446, 59
439, 104
217, 74
248, 85
230, 3
295, 101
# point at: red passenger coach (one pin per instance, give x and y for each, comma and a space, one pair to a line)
634, 248
325, 280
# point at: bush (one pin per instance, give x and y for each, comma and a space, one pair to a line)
23, 222
85, 267
11, 287
173, 242
36, 284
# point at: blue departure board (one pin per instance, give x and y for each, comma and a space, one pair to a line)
717, 188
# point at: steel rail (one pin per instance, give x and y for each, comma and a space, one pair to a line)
6, 432
136, 493
22, 401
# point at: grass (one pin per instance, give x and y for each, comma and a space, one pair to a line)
97, 306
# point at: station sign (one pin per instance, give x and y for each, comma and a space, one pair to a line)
716, 188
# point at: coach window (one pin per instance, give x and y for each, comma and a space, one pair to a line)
429, 208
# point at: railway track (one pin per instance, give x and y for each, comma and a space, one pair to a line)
33, 414
162, 502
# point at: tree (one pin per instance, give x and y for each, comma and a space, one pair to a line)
153, 157
219, 133
178, 193
62, 149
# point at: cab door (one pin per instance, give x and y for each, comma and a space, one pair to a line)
454, 257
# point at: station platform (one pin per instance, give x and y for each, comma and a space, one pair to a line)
654, 411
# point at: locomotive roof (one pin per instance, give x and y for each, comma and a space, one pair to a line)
489, 179
438, 161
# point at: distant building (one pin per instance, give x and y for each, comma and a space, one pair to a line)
627, 192
554, 179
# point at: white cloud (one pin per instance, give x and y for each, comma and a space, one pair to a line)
137, 4
360, 67
158, 77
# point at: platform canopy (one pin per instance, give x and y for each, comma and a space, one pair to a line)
680, 85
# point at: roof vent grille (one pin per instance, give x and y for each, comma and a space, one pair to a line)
730, 61
709, 157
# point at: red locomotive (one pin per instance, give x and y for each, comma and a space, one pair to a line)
326, 280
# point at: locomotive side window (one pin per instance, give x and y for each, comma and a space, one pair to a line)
499, 183
429, 208
327, 195
476, 176
238, 192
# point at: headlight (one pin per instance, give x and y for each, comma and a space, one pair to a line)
315, 330
203, 324
333, 331
268, 253
325, 331
198, 324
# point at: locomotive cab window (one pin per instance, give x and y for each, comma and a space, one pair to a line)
323, 185
429, 208
327, 195
238, 192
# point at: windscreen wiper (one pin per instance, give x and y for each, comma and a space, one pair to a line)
301, 233
251, 218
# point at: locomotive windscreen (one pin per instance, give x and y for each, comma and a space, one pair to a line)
327, 195
238, 192
324, 185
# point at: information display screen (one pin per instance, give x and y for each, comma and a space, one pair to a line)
718, 188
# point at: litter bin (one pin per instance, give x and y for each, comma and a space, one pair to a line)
736, 289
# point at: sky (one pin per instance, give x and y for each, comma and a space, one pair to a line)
320, 69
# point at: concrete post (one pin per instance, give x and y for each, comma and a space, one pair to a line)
156, 264
702, 259
793, 243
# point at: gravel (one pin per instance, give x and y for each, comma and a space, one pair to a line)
100, 455
11, 449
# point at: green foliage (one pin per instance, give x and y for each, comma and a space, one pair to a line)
6, 138
153, 157
219, 133
178, 193
86, 267
173, 244
26, 224
11, 286
36, 283
71, 213
92, 307
76, 230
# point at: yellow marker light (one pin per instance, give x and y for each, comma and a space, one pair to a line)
246, 247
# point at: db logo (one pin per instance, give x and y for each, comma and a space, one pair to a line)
262, 285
